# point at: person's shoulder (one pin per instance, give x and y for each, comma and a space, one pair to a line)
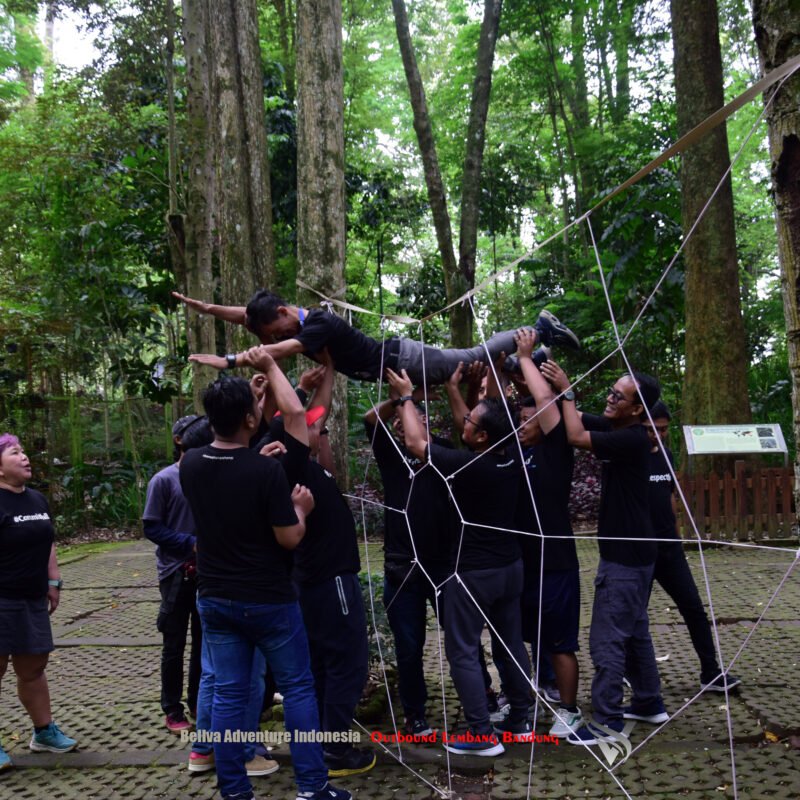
34, 496
168, 473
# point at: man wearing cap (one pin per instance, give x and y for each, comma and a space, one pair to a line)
168, 522
619, 637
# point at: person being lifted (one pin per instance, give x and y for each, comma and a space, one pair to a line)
287, 330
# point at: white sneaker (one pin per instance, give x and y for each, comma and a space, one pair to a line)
566, 722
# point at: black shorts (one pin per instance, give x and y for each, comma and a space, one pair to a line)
25, 626
561, 610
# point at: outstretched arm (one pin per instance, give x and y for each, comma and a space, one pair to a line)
235, 314
277, 351
546, 410
577, 435
414, 431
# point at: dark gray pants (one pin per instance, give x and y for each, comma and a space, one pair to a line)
619, 640
497, 592
438, 364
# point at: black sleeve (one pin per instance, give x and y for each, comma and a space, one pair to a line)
622, 444
315, 333
594, 422
295, 461
447, 460
281, 507
383, 446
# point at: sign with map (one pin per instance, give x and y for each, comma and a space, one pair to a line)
712, 439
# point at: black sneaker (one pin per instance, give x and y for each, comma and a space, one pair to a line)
718, 684
351, 761
514, 732
553, 332
418, 726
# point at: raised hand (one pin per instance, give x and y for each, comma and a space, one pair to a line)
218, 362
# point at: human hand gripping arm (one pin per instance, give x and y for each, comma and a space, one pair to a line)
294, 416
290, 536
546, 410
277, 351
577, 435
414, 431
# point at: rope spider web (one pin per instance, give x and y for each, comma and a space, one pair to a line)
613, 767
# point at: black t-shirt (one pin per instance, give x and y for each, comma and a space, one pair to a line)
662, 487
624, 504
485, 491
549, 466
236, 497
26, 538
330, 546
425, 498
355, 354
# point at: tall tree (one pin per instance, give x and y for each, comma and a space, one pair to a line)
776, 23
715, 389
244, 207
459, 276
200, 196
320, 172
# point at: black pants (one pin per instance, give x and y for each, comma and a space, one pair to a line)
178, 610
673, 573
336, 624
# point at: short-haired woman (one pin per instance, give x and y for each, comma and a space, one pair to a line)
30, 587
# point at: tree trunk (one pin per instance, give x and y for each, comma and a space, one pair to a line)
776, 23
244, 207
200, 186
621, 37
320, 175
461, 316
437, 196
715, 389
286, 36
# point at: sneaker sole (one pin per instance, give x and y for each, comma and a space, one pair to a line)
254, 773
652, 719
201, 767
495, 750
6, 765
45, 748
343, 773
561, 330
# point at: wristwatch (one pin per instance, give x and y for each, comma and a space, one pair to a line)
55, 583
568, 395
231, 359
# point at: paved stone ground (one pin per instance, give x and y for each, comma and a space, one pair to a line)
104, 678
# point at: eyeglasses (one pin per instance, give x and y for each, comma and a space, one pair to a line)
468, 418
616, 396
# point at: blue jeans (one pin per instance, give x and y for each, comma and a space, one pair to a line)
619, 640
205, 698
234, 630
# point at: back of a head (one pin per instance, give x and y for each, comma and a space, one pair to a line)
262, 309
227, 402
198, 434
495, 420
659, 410
649, 390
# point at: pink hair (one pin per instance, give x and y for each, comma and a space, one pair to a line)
8, 440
